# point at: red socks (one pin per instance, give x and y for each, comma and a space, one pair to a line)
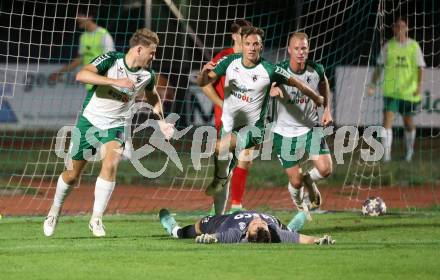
238, 184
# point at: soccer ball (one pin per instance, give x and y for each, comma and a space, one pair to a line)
374, 206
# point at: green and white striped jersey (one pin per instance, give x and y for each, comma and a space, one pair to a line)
296, 114
246, 90
108, 106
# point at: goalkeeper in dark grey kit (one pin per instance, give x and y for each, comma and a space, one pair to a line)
241, 227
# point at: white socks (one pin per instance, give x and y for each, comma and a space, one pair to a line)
174, 232
315, 175
103, 192
294, 193
61, 193
387, 140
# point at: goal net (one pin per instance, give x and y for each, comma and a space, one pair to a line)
38, 37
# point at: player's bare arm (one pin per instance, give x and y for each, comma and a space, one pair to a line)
89, 75
210, 92
153, 98
207, 76
324, 90
374, 78
66, 68
306, 90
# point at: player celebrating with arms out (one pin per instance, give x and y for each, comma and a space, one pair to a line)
295, 119
247, 86
215, 92
117, 78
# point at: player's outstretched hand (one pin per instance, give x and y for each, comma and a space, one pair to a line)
325, 240
206, 238
124, 83
166, 128
275, 91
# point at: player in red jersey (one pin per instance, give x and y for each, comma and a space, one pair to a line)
215, 92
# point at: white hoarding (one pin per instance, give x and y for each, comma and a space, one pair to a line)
355, 107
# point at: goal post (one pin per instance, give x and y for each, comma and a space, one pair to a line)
37, 38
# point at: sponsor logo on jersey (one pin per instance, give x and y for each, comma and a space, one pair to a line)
236, 69
240, 93
138, 79
242, 225
297, 97
401, 62
254, 78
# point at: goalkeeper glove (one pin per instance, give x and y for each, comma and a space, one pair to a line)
325, 240
206, 238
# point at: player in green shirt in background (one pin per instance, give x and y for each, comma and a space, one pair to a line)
94, 41
402, 62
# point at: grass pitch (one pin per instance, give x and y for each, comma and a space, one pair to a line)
404, 246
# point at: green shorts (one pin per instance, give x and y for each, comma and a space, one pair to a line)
290, 150
405, 108
86, 138
247, 138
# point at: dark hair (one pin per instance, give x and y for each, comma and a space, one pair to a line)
87, 11
404, 19
239, 23
251, 30
261, 236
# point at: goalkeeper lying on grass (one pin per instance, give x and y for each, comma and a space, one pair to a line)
242, 226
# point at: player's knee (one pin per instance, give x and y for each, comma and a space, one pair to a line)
326, 171
295, 182
109, 167
70, 177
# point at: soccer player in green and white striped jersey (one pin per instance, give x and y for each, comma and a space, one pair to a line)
117, 79
297, 130
247, 87
402, 61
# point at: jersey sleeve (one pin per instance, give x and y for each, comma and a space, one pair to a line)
232, 235
104, 62
107, 43
276, 73
319, 68
382, 56
152, 82
280, 75
223, 63
287, 236
420, 58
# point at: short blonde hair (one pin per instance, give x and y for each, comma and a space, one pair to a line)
145, 37
298, 35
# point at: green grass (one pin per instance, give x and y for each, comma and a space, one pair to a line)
389, 247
